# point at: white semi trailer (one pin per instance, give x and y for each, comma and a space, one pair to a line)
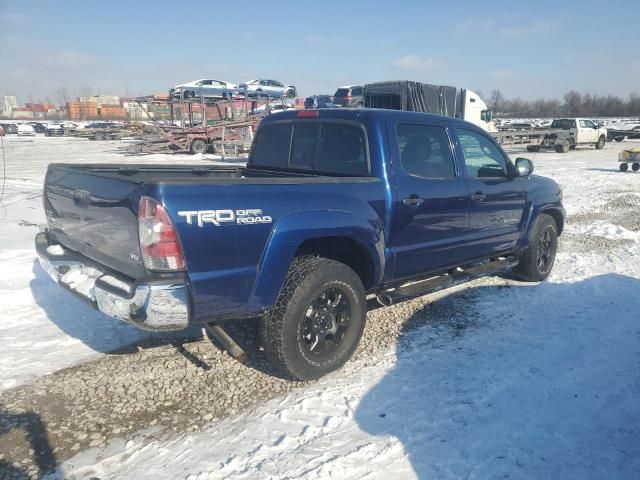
424, 97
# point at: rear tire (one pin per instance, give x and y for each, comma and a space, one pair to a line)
533, 148
618, 138
199, 146
564, 148
600, 144
537, 261
306, 335
635, 167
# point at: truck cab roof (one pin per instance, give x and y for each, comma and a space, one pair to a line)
366, 115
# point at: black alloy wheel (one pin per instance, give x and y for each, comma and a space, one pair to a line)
326, 322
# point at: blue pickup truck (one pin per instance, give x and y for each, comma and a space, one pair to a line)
333, 208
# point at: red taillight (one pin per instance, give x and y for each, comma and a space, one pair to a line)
159, 241
308, 113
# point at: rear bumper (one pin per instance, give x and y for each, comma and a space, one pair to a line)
153, 306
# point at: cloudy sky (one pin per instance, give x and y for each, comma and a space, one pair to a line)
527, 49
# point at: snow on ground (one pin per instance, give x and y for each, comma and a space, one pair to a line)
517, 380
537, 382
42, 328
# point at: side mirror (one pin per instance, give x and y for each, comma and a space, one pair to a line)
524, 167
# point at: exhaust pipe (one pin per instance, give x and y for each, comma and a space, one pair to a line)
217, 332
384, 300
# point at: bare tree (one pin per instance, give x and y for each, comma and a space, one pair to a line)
85, 93
496, 101
633, 105
573, 103
62, 95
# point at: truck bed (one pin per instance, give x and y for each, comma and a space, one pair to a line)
181, 174
93, 210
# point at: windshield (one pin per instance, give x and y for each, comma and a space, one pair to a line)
342, 92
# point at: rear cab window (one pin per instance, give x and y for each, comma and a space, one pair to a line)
324, 147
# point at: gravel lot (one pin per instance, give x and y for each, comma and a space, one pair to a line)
181, 383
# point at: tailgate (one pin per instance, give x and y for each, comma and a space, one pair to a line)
96, 216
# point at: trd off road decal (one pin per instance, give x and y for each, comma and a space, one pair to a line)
218, 217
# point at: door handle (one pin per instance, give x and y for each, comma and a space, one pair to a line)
478, 197
413, 201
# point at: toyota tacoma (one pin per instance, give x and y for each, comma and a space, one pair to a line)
333, 208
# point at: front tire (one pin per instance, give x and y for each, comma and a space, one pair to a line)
537, 261
291, 93
600, 144
318, 320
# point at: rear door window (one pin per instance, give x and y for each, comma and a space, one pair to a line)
342, 92
425, 151
357, 91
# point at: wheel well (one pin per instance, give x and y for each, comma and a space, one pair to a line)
345, 250
557, 217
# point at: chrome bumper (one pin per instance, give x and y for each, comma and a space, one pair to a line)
150, 307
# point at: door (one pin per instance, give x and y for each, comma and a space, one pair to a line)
432, 202
271, 89
497, 196
205, 89
588, 132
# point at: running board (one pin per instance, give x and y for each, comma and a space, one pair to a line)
447, 280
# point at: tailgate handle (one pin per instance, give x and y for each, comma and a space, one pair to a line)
81, 198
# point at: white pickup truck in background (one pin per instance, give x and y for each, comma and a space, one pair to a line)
567, 133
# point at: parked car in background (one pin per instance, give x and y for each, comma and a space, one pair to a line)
26, 130
54, 130
100, 125
267, 88
568, 133
38, 127
205, 88
318, 101
350, 96
274, 108
10, 128
619, 131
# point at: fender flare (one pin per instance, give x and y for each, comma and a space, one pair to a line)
538, 207
293, 229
